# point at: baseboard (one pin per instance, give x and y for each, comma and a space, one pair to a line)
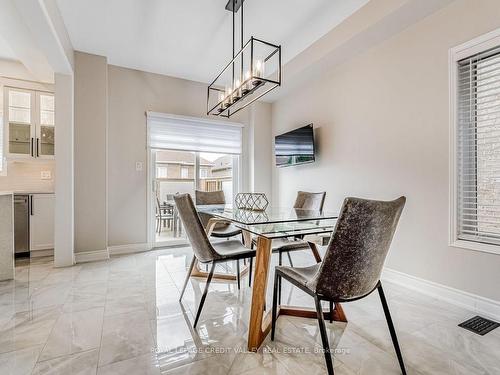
129, 248
91, 256
41, 253
480, 305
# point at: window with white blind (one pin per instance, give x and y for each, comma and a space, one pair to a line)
476, 144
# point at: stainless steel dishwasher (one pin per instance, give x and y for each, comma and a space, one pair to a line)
21, 225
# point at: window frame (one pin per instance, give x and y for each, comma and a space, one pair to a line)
462, 51
185, 169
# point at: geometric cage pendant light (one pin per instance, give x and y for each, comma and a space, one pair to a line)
253, 71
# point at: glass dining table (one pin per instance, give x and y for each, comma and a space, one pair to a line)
266, 226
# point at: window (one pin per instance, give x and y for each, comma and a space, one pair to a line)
162, 172
476, 145
204, 172
184, 172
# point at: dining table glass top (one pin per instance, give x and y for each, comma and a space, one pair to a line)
274, 222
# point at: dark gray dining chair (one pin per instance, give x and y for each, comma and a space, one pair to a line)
304, 201
352, 264
204, 251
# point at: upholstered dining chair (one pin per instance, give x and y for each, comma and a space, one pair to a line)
204, 251
304, 201
221, 229
352, 264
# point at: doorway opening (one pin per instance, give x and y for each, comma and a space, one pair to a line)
177, 172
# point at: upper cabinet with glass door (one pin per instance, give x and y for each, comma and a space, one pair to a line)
45, 130
29, 120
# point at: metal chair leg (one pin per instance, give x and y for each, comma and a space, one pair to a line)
280, 262
331, 311
250, 273
324, 337
289, 258
391, 328
277, 278
238, 272
187, 277
204, 296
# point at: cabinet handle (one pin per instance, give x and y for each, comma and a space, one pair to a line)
31, 149
31, 205
37, 147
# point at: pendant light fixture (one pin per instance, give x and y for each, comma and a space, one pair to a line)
253, 72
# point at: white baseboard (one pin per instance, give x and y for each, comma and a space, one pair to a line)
129, 248
41, 253
91, 256
480, 305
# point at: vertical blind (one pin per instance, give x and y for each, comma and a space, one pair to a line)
478, 158
171, 132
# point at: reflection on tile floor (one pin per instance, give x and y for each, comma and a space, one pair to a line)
123, 316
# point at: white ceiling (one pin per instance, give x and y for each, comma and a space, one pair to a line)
6, 52
192, 38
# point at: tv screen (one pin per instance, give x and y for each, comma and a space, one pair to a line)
295, 147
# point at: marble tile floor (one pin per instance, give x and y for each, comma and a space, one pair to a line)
122, 316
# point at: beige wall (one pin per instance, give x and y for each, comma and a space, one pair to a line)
260, 149
90, 132
131, 94
382, 130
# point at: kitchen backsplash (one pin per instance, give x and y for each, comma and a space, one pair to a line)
27, 176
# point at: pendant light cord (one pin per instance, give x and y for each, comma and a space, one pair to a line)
234, 3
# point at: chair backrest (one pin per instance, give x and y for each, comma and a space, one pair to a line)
158, 210
310, 201
209, 197
196, 234
358, 247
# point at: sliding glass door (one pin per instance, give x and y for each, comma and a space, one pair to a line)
184, 172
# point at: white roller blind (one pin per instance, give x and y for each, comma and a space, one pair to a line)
171, 132
478, 159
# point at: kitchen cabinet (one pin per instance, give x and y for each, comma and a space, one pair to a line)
29, 118
41, 222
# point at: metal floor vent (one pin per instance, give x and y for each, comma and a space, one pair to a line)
479, 325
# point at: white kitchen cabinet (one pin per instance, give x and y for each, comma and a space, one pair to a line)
41, 222
29, 124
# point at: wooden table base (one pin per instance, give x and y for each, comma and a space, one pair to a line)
260, 323
197, 272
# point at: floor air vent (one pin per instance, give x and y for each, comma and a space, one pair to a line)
479, 325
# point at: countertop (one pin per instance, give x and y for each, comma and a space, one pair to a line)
25, 192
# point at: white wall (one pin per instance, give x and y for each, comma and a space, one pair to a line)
381, 123
64, 239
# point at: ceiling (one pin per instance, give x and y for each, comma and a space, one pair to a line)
6, 52
192, 39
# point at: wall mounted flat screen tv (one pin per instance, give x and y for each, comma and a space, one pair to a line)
295, 147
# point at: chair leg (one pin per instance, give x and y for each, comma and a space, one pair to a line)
280, 262
277, 279
331, 311
204, 296
324, 337
391, 328
289, 258
250, 273
238, 272
193, 261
